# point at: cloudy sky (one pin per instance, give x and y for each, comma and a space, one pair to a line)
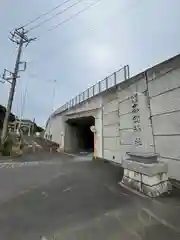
86, 49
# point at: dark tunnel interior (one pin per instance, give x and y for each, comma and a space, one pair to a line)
81, 138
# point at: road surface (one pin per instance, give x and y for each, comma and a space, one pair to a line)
65, 197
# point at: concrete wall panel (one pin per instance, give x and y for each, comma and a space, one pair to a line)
111, 131
110, 96
111, 107
125, 93
167, 124
126, 121
111, 143
173, 168
56, 127
163, 68
168, 146
111, 118
125, 107
166, 103
166, 82
126, 137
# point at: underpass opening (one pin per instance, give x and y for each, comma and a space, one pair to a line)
79, 137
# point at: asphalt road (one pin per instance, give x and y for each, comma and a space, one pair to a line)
62, 197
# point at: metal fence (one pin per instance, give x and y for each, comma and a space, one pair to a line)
99, 87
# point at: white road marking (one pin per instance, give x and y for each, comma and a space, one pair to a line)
24, 164
24, 191
70, 154
67, 189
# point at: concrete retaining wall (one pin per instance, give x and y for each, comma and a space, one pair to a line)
164, 92
157, 110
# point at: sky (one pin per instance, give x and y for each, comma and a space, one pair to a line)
86, 49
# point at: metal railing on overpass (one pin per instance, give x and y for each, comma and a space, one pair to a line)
107, 83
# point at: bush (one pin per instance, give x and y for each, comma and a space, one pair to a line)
6, 150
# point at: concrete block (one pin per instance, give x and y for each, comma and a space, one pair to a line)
146, 169
167, 123
111, 131
125, 107
167, 102
137, 181
165, 82
133, 175
167, 146
154, 180
111, 118
111, 143
111, 107
131, 183
147, 157
141, 148
126, 136
163, 68
156, 190
125, 93
126, 121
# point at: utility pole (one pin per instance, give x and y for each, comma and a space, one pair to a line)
20, 38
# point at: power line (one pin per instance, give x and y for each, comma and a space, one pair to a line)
123, 12
68, 19
53, 16
46, 13
74, 15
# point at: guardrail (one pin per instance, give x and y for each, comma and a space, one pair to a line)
110, 81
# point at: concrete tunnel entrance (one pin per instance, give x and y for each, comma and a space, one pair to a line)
78, 136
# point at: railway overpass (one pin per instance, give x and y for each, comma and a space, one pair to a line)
130, 114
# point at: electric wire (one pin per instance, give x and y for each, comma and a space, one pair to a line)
134, 5
74, 15
53, 16
46, 13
